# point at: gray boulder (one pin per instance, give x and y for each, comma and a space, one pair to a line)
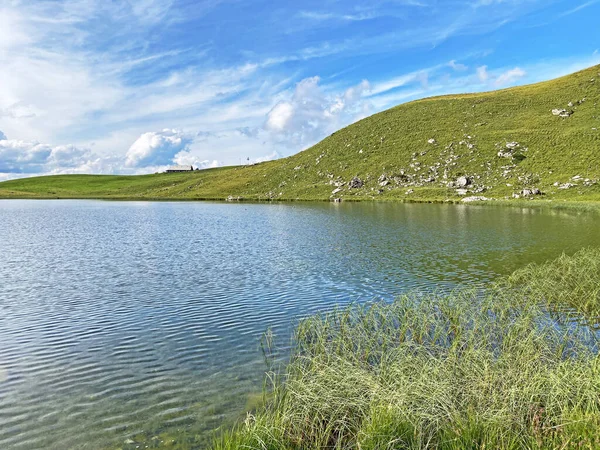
463, 181
356, 183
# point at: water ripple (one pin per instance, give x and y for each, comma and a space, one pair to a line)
121, 320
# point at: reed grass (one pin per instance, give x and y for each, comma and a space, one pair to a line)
566, 282
473, 369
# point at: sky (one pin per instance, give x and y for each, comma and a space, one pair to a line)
133, 86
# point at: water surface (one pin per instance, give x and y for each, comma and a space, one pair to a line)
131, 320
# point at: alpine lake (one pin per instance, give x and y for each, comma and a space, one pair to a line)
138, 324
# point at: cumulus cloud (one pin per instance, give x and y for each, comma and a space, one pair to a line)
280, 117
157, 148
482, 74
25, 157
187, 158
510, 76
310, 114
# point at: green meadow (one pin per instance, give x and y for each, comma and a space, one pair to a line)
502, 143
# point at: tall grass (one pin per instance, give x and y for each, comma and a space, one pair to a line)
470, 369
566, 282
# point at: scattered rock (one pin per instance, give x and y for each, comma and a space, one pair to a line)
410, 191
297, 167
128, 441
570, 104
530, 192
475, 199
462, 191
463, 181
432, 141
335, 191
384, 183
562, 113
337, 200
355, 183
511, 150
567, 186
231, 198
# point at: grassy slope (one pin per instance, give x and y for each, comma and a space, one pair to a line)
395, 143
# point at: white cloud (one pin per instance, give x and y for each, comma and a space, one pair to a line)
280, 117
326, 16
25, 157
310, 114
269, 157
457, 66
510, 76
578, 8
421, 76
482, 74
186, 158
156, 148
2, 136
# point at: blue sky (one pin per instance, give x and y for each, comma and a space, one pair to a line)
131, 86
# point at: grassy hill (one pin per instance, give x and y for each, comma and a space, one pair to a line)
501, 142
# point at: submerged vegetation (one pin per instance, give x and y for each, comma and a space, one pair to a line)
539, 141
503, 367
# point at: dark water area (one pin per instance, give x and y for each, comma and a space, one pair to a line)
128, 319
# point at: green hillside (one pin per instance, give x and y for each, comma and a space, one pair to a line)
501, 142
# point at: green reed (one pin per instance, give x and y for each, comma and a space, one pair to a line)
491, 368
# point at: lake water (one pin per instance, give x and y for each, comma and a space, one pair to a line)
142, 320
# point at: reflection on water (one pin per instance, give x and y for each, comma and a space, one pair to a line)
119, 319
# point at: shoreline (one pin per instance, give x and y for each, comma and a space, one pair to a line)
579, 205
